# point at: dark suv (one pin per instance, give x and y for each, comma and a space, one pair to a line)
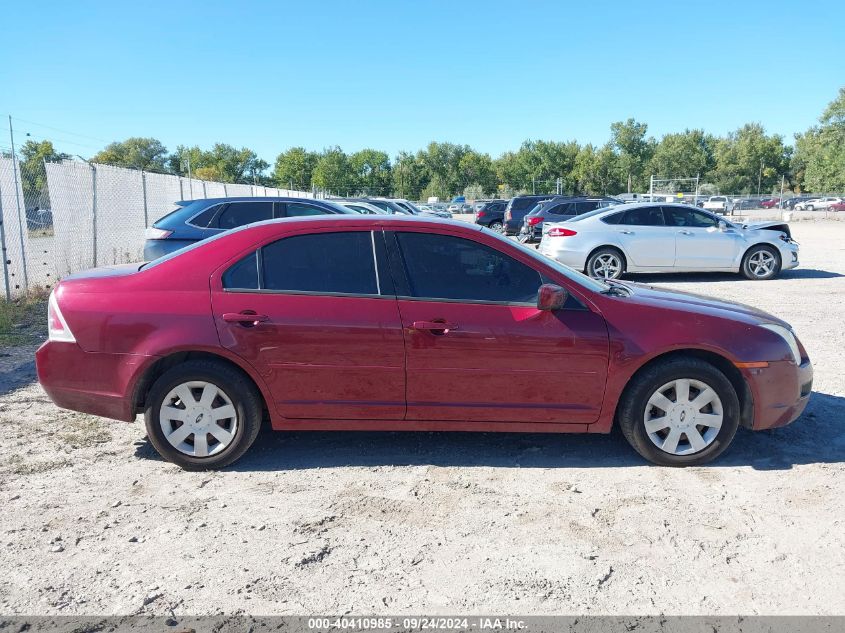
517, 209
491, 214
197, 220
560, 209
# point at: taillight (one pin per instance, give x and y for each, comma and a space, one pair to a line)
480, 214
507, 215
557, 231
57, 329
534, 221
152, 233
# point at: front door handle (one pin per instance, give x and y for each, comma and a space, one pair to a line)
435, 327
245, 318
626, 232
685, 232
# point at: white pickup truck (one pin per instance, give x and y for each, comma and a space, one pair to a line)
719, 204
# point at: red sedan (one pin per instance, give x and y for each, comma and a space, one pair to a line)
837, 206
394, 323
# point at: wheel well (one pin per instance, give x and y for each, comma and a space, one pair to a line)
163, 364
773, 248
743, 392
614, 248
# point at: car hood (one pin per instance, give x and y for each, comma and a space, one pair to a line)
690, 302
773, 225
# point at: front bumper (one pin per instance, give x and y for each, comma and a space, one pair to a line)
780, 393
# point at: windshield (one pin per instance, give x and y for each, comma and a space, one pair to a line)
570, 273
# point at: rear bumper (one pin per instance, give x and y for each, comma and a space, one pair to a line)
89, 382
781, 392
576, 259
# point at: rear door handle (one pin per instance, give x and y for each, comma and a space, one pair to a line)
685, 232
245, 318
626, 232
441, 327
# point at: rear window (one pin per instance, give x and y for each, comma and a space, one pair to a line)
613, 218
203, 220
241, 213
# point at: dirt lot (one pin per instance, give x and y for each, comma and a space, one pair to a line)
93, 522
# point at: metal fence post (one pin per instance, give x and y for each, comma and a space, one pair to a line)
204, 194
144, 195
94, 210
5, 252
225, 191
18, 200
181, 190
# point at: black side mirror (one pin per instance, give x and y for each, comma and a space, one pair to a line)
551, 297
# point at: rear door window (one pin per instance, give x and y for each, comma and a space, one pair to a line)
321, 263
565, 208
298, 209
204, 219
586, 206
644, 216
240, 213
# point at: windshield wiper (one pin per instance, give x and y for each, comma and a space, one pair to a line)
616, 289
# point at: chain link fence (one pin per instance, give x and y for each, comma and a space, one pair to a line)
64, 217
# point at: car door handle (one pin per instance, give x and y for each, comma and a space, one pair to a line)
685, 232
245, 318
441, 327
626, 232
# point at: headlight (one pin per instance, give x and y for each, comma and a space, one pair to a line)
787, 335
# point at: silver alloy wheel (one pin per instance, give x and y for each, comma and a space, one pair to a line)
607, 266
198, 419
761, 263
683, 417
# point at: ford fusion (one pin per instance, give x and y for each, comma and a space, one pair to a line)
399, 323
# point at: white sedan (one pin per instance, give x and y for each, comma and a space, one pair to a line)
816, 204
645, 237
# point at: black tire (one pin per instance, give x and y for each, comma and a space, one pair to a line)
747, 268
495, 225
632, 409
810, 207
605, 251
239, 388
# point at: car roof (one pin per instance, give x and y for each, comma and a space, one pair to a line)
250, 199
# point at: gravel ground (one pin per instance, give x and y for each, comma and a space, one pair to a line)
93, 522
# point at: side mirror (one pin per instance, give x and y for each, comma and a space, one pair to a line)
723, 226
551, 297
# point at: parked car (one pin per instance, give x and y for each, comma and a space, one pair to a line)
379, 323
770, 203
559, 209
491, 214
717, 204
388, 206
816, 204
668, 238
454, 207
364, 208
195, 220
744, 204
837, 206
791, 202
518, 207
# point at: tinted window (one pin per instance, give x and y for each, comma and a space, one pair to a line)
296, 209
688, 217
241, 213
244, 274
203, 220
585, 206
567, 208
644, 216
321, 262
447, 267
613, 218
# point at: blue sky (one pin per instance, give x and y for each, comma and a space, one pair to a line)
395, 75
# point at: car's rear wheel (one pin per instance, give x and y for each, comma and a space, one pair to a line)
202, 415
810, 207
496, 226
761, 262
606, 263
679, 412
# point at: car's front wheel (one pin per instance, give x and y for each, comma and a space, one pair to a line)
810, 207
679, 412
203, 415
606, 263
760, 263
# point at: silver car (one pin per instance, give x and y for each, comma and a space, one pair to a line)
645, 237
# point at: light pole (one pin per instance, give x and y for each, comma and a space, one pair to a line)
93, 207
759, 177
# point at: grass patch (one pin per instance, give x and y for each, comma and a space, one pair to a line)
17, 465
24, 319
80, 431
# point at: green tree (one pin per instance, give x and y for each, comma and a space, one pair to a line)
136, 153
294, 168
635, 150
819, 161
332, 173
749, 159
411, 178
371, 172
684, 155
33, 175
597, 171
476, 169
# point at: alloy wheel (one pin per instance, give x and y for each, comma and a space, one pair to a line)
607, 266
761, 263
198, 419
683, 416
